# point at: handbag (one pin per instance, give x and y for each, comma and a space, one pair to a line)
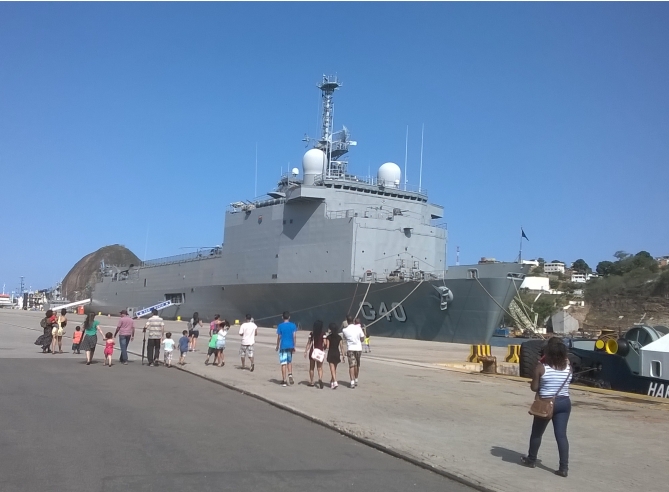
318, 355
543, 407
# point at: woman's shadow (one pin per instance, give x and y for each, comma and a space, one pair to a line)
511, 456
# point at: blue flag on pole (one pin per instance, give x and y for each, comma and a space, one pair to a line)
523, 234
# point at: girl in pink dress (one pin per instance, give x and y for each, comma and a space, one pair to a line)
109, 348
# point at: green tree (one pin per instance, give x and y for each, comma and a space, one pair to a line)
620, 255
580, 266
604, 268
541, 261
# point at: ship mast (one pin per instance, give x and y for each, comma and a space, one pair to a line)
327, 87
333, 144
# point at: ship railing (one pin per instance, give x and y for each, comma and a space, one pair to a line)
367, 214
371, 181
170, 260
399, 276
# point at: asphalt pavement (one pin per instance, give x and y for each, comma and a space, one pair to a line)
66, 426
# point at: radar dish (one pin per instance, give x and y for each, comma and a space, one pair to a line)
390, 175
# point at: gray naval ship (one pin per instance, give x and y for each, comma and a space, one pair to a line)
323, 244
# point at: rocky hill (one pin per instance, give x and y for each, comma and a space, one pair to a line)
80, 279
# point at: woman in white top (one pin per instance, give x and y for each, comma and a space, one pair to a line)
551, 379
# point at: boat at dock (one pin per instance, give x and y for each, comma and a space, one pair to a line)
325, 243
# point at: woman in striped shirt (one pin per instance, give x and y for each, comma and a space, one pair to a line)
551, 379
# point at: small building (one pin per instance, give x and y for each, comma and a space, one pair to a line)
557, 267
536, 283
581, 278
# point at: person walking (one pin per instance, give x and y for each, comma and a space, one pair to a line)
248, 332
109, 348
211, 349
221, 335
125, 329
183, 347
213, 326
168, 348
368, 349
58, 331
91, 329
314, 350
154, 327
551, 380
76, 340
335, 347
354, 336
46, 338
286, 339
195, 325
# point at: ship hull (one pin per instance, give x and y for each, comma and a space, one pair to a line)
408, 309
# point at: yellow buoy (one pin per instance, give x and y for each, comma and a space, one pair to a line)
599, 344
611, 346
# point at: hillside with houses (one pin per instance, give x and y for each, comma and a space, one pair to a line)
563, 298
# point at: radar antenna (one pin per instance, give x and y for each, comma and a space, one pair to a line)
334, 144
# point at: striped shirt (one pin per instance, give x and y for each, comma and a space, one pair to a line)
154, 327
551, 381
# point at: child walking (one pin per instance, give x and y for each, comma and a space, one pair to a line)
211, 349
168, 348
183, 347
366, 347
109, 348
76, 339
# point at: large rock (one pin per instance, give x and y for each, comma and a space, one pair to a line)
79, 281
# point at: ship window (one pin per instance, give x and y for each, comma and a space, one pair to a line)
175, 298
473, 273
656, 369
291, 221
284, 222
144, 282
274, 275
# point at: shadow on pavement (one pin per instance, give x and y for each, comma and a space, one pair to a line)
511, 456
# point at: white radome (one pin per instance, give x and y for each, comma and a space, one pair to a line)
389, 174
313, 162
295, 171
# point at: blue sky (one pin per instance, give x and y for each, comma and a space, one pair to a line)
116, 118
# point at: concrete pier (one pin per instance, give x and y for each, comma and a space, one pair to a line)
412, 403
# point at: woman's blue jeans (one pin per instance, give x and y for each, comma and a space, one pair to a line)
561, 412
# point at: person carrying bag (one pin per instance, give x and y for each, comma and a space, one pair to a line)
551, 404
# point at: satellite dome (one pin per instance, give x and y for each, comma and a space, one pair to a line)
313, 164
390, 175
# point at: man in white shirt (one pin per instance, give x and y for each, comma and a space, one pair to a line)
354, 336
248, 332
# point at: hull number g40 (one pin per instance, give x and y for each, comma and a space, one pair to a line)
396, 311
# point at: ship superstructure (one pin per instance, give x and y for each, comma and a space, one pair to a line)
323, 244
